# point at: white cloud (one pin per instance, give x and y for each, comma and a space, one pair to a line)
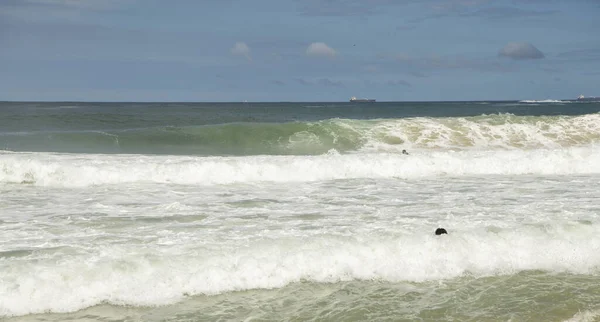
320, 49
519, 50
241, 49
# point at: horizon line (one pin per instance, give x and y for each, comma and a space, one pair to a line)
253, 102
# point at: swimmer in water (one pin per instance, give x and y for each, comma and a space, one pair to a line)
441, 231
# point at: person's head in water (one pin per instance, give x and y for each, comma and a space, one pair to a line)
404, 152
440, 231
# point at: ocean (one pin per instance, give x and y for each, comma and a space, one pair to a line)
300, 211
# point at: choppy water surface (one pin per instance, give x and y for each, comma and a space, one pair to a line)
319, 218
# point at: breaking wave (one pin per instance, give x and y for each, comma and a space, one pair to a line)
143, 276
73, 170
504, 131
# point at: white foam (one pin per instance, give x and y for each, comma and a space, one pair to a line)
484, 132
585, 316
126, 275
543, 101
67, 170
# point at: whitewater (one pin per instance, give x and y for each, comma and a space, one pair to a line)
292, 211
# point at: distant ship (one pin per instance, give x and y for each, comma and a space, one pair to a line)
361, 100
582, 98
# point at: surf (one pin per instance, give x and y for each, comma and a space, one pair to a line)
138, 276
76, 170
502, 131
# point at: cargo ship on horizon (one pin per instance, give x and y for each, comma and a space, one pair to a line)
361, 100
582, 98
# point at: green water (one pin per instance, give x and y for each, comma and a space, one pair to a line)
526, 296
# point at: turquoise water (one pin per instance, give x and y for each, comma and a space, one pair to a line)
299, 211
285, 128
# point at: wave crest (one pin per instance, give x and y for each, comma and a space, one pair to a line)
504, 131
125, 275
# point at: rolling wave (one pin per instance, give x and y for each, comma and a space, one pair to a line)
504, 131
76, 170
122, 274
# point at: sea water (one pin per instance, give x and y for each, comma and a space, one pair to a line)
300, 211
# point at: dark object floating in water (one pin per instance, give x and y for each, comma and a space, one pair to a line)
440, 231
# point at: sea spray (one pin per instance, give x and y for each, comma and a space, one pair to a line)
71, 170
499, 131
153, 275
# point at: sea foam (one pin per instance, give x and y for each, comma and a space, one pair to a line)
153, 275
497, 131
68, 170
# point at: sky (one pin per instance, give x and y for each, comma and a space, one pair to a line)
298, 50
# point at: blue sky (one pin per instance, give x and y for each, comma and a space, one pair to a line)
298, 50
